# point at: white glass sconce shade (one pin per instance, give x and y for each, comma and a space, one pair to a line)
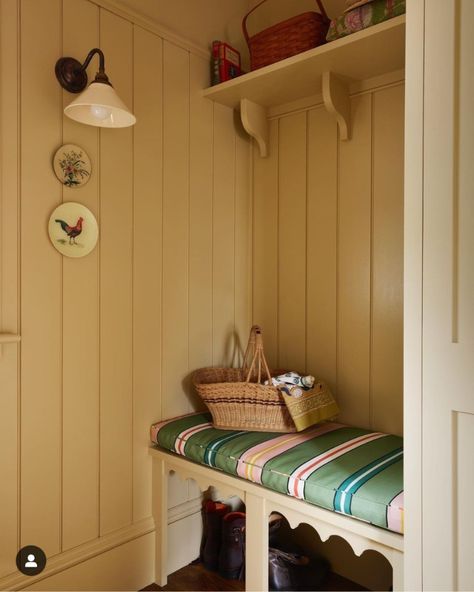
99, 105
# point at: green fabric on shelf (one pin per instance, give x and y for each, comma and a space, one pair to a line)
365, 16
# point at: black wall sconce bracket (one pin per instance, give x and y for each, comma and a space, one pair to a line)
72, 75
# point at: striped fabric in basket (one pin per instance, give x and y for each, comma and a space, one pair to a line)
344, 469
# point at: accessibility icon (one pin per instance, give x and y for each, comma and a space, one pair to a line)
31, 560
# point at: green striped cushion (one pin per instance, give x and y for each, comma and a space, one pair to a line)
348, 470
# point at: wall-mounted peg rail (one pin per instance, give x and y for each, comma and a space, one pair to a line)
8, 338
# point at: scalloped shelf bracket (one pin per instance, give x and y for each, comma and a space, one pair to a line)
255, 122
336, 100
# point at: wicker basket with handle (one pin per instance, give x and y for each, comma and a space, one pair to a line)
237, 398
288, 38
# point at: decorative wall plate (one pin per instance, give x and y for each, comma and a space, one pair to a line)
73, 229
72, 166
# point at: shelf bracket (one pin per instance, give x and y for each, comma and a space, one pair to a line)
336, 100
255, 122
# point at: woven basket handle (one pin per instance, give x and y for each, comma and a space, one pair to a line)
255, 351
244, 22
249, 352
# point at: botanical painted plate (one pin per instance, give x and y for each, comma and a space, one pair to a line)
73, 229
72, 165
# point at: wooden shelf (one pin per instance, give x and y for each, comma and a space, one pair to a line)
330, 68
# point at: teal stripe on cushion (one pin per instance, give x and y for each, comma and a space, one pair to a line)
289, 461
213, 447
343, 497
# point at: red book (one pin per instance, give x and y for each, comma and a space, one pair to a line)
215, 77
229, 62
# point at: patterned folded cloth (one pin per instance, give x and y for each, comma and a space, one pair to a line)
349, 470
311, 407
365, 16
309, 401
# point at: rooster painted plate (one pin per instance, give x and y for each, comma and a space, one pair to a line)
72, 166
73, 229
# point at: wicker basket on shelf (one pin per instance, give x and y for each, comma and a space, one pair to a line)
236, 397
285, 39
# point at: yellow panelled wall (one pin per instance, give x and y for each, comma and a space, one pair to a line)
197, 240
109, 340
328, 252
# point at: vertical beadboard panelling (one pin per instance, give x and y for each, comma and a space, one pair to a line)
242, 249
81, 315
147, 257
292, 243
9, 361
116, 213
354, 260
321, 266
93, 343
200, 220
223, 282
40, 279
387, 286
265, 244
344, 254
175, 228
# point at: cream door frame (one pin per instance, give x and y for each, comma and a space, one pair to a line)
413, 292
439, 291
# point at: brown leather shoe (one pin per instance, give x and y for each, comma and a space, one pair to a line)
212, 514
290, 571
232, 555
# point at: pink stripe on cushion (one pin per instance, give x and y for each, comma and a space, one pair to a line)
184, 436
262, 453
395, 513
299, 476
156, 427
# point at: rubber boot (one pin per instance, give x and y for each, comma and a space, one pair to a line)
232, 555
212, 514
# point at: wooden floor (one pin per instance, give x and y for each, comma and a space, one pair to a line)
194, 577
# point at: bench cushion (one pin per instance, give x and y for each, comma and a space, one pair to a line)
348, 470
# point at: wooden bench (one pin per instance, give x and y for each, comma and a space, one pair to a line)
260, 502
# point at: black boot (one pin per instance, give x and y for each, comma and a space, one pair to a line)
232, 555
212, 513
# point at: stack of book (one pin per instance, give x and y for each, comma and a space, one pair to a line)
225, 62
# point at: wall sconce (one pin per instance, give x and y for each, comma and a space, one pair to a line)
99, 104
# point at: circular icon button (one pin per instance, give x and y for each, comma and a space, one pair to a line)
31, 560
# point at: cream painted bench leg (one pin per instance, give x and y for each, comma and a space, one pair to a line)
256, 543
398, 573
160, 514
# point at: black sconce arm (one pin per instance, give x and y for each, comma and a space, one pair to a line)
72, 75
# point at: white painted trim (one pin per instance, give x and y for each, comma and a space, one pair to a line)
151, 25
360, 535
413, 291
182, 511
80, 554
